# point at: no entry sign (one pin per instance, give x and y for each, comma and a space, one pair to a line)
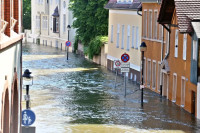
125, 57
68, 43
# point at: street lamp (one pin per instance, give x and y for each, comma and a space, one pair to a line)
143, 48
68, 28
27, 80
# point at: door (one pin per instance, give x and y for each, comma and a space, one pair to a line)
193, 103
165, 85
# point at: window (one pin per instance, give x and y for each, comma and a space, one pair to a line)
133, 35
145, 24
150, 24
137, 38
44, 22
155, 24
154, 75
174, 87
118, 31
167, 43
184, 46
37, 22
194, 50
64, 23
111, 34
128, 37
55, 24
176, 44
144, 70
51, 24
64, 4
182, 91
159, 76
160, 31
122, 45
148, 72
57, 1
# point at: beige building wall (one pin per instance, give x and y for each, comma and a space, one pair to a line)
132, 23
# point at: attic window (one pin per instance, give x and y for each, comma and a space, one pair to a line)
124, 1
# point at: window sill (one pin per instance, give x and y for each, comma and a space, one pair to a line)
154, 40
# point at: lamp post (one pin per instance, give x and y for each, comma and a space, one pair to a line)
143, 48
27, 80
68, 28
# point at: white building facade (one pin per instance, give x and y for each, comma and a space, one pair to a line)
50, 19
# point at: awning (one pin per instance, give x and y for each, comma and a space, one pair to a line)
56, 14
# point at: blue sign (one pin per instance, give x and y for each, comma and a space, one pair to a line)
68, 43
125, 57
28, 117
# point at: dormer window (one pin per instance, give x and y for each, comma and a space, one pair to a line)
124, 1
55, 20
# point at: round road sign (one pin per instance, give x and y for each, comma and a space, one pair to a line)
117, 63
68, 43
125, 57
28, 117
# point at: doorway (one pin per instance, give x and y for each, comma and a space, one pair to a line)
193, 100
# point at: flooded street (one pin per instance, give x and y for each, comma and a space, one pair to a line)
79, 96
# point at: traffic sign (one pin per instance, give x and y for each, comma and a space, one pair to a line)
125, 70
125, 65
117, 64
68, 43
125, 57
28, 117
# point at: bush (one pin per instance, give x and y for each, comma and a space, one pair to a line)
95, 45
76, 43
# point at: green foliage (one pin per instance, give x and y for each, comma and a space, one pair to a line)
76, 43
27, 14
91, 19
96, 44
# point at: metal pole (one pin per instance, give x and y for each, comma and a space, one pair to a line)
125, 84
27, 94
142, 78
67, 46
116, 78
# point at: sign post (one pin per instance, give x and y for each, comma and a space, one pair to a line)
125, 67
117, 65
68, 44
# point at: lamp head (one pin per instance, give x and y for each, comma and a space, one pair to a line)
143, 47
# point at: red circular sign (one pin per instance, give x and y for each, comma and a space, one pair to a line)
117, 63
68, 43
125, 57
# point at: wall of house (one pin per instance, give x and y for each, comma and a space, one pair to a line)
132, 23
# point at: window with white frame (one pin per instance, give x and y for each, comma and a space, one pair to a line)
158, 76
183, 91
124, 1
122, 45
111, 40
128, 37
133, 36
51, 24
174, 87
144, 70
150, 24
155, 24
37, 22
166, 42
137, 38
160, 31
57, 1
44, 22
154, 74
195, 50
145, 24
56, 24
148, 72
64, 23
184, 46
118, 31
176, 44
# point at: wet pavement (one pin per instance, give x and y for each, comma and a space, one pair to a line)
79, 96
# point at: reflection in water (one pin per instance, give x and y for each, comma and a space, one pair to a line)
79, 96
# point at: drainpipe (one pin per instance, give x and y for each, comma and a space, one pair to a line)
138, 11
168, 51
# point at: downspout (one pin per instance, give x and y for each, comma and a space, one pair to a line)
168, 51
138, 11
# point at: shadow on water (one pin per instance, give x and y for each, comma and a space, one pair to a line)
87, 96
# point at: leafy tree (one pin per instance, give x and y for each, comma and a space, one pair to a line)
27, 14
91, 19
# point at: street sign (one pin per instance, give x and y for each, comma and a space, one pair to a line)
117, 64
28, 117
68, 43
125, 65
125, 70
125, 57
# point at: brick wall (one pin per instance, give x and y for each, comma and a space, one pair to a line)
16, 15
7, 16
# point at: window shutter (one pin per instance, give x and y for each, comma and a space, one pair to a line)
122, 46
176, 44
184, 46
133, 35
137, 37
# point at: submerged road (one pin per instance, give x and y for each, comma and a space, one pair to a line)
79, 96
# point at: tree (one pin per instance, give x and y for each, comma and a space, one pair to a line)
91, 19
27, 14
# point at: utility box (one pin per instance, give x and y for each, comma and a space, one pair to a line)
28, 129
